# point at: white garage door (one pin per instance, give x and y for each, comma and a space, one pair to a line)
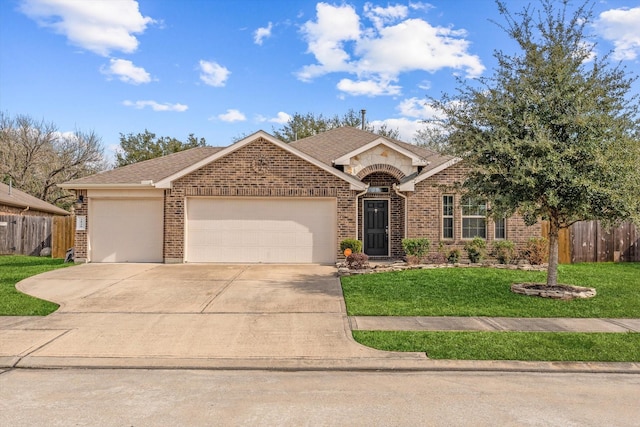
254, 230
125, 230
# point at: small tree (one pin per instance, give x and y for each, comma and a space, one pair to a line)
554, 133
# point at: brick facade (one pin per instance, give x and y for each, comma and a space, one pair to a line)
425, 213
259, 169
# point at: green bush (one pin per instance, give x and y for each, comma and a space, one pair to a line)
454, 256
536, 251
416, 247
504, 251
476, 249
353, 244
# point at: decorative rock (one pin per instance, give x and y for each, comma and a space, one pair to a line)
45, 252
564, 292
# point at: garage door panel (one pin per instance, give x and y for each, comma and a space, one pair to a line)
126, 230
260, 230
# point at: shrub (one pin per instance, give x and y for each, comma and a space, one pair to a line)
476, 249
353, 244
536, 251
436, 258
454, 256
416, 247
358, 261
504, 251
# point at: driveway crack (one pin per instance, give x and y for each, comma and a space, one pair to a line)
224, 288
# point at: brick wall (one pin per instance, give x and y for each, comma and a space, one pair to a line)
425, 213
80, 245
259, 169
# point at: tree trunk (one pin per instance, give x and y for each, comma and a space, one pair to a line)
552, 269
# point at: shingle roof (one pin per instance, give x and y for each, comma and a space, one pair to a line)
22, 200
325, 147
153, 169
335, 143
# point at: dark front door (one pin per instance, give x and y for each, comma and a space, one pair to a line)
376, 221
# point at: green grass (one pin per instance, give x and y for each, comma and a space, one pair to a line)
14, 268
486, 292
538, 346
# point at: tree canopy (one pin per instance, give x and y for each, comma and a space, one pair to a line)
35, 156
554, 132
144, 146
304, 125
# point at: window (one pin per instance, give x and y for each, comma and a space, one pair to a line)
474, 221
500, 229
447, 217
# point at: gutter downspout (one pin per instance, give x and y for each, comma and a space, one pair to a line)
357, 198
395, 188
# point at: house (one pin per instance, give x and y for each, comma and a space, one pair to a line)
263, 200
16, 202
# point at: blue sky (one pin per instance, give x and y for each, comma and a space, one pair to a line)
221, 68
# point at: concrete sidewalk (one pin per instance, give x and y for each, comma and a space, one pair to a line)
234, 317
398, 323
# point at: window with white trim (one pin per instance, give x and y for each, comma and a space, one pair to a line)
447, 217
500, 230
474, 218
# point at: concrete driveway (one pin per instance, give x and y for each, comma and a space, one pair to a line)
196, 315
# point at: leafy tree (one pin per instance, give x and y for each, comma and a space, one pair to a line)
433, 138
145, 146
36, 157
554, 133
304, 125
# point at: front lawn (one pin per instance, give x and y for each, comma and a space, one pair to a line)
545, 346
14, 268
486, 292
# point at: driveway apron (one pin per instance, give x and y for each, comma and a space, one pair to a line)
195, 315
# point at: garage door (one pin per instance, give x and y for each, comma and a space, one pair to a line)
254, 230
125, 230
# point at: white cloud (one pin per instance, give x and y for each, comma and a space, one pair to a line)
126, 71
368, 87
406, 127
418, 108
385, 15
620, 26
232, 116
262, 33
334, 26
281, 118
213, 74
155, 106
391, 45
100, 26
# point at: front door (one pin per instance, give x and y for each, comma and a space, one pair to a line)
376, 227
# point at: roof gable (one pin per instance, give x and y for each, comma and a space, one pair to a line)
166, 182
415, 159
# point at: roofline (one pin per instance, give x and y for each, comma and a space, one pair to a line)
166, 182
410, 185
415, 159
149, 185
52, 210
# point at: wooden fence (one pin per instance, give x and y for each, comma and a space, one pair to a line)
63, 235
28, 235
589, 241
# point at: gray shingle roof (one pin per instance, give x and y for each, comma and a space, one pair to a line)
325, 147
153, 169
335, 143
22, 200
